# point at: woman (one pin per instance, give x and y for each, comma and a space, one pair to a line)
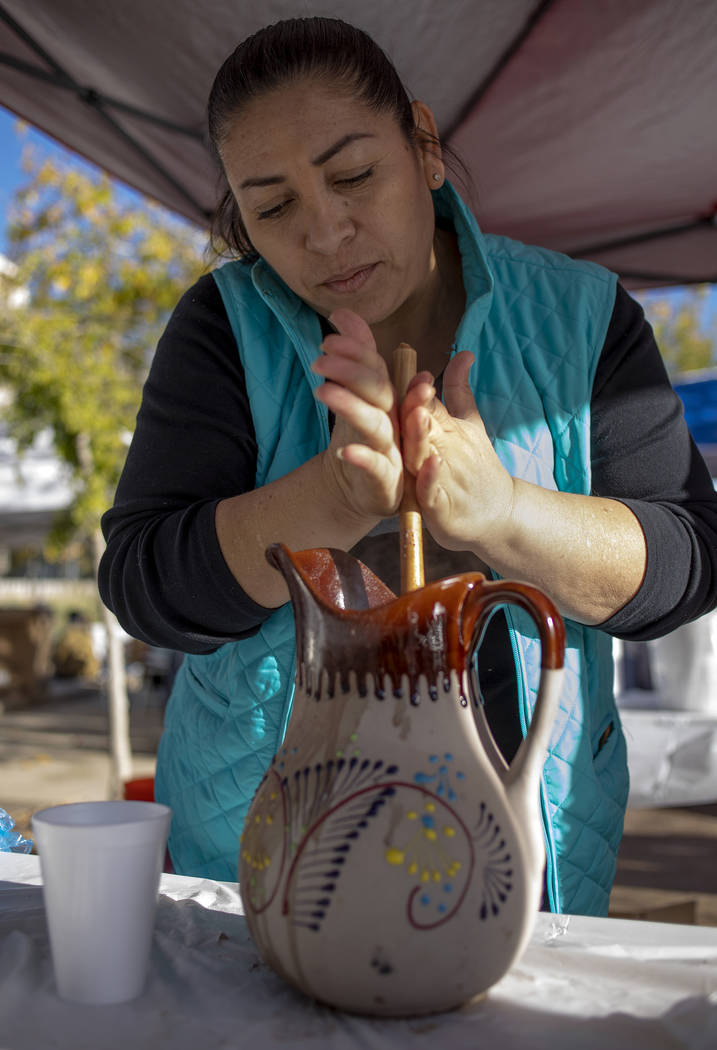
558, 453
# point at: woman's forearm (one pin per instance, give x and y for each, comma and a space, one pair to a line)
586, 552
301, 510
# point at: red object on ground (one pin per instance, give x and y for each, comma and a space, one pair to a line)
141, 790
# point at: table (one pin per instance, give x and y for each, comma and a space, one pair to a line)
583, 984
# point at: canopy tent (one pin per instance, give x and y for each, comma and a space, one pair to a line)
587, 125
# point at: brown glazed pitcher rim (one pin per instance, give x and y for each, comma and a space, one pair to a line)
445, 614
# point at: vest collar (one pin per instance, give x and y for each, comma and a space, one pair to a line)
275, 293
477, 277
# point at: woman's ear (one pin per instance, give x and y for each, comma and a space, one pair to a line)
429, 145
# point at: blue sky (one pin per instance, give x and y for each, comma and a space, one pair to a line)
10, 173
12, 142
13, 139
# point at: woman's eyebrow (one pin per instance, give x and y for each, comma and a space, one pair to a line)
274, 180
338, 146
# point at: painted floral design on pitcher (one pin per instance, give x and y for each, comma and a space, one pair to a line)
391, 862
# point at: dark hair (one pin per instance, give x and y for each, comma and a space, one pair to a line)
327, 48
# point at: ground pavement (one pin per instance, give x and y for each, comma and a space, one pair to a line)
58, 751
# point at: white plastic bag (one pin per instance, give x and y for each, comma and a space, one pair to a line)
683, 666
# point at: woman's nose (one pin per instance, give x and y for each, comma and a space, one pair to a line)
328, 225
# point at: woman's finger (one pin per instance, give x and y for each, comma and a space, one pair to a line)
429, 491
369, 423
352, 337
346, 322
366, 459
457, 391
351, 359
420, 393
416, 443
361, 379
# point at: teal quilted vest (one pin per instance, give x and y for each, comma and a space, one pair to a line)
536, 322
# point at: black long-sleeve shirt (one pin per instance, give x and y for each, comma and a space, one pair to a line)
163, 572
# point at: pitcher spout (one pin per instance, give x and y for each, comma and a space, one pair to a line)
348, 620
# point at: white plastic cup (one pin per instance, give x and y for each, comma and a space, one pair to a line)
101, 863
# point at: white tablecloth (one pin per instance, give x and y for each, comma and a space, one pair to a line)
583, 984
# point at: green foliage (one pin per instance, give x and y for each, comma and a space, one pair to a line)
684, 338
97, 276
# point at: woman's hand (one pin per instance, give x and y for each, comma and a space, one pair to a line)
587, 552
464, 493
363, 461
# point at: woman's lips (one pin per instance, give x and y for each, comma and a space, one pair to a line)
352, 281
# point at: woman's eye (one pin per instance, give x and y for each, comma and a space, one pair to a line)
278, 209
356, 180
272, 213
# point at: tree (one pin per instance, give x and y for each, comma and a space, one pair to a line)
681, 330
99, 270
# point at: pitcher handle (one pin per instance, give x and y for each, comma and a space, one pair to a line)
528, 761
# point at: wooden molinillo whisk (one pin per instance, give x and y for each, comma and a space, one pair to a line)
412, 572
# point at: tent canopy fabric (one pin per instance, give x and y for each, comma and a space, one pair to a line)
587, 125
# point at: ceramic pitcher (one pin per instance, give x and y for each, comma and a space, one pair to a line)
391, 862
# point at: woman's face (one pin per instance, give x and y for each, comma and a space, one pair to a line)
335, 198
